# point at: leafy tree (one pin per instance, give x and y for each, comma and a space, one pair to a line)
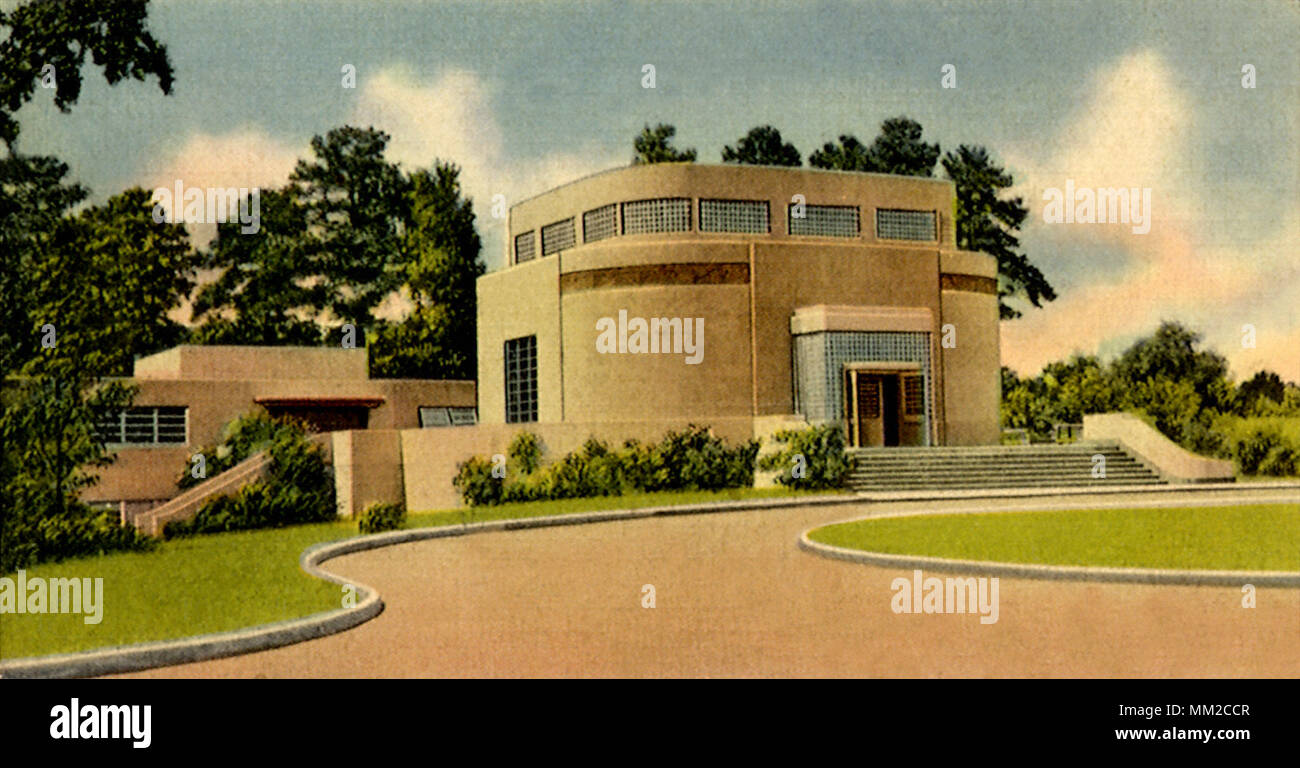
34, 198
849, 155
117, 276
60, 35
653, 146
988, 223
1171, 353
1264, 385
71, 273
438, 339
262, 294
762, 146
352, 202
897, 150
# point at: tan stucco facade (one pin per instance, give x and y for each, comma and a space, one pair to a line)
747, 287
216, 384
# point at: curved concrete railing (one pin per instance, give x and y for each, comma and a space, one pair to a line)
1172, 461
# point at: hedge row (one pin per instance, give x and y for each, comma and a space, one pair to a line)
691, 459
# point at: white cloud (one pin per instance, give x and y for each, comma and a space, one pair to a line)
1134, 128
452, 118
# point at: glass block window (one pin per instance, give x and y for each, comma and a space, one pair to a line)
525, 247
826, 221
447, 417
521, 379
749, 216
913, 396
600, 223
144, 425
819, 360
558, 237
669, 214
905, 225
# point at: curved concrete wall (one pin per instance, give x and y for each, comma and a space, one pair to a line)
745, 286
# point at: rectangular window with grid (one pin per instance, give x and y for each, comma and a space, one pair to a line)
669, 214
913, 396
748, 216
521, 379
600, 223
905, 225
826, 221
525, 247
144, 425
437, 416
557, 237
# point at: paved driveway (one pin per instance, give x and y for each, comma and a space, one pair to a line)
736, 597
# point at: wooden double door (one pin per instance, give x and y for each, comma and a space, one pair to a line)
883, 407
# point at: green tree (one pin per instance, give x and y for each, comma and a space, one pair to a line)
263, 293
988, 223
353, 204
438, 338
848, 155
1264, 385
55, 350
59, 35
898, 149
762, 146
1172, 353
116, 278
653, 145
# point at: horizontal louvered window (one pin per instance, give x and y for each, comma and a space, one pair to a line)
525, 247
143, 425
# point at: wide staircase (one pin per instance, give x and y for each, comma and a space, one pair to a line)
995, 466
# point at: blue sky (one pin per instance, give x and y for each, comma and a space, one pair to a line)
528, 95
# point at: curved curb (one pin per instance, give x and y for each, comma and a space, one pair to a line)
166, 653
1051, 572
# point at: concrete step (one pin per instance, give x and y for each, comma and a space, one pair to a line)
1000, 466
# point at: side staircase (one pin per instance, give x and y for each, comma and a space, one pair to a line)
996, 466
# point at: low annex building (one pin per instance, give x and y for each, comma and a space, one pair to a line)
187, 394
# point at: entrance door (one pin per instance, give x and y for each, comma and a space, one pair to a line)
872, 407
889, 408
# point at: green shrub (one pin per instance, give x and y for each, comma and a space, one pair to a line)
381, 517
298, 488
1251, 450
525, 452
240, 439
692, 459
476, 483
812, 458
80, 531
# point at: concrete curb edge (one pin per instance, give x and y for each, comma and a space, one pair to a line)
149, 655
1158, 576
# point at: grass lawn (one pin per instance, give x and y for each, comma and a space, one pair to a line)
1263, 537
226, 581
